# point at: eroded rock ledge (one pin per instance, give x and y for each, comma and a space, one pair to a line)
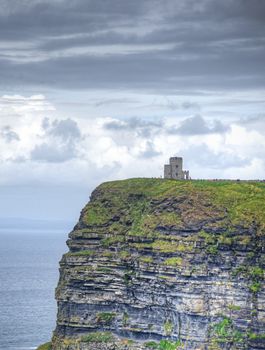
165, 264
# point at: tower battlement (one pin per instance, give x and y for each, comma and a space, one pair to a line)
174, 170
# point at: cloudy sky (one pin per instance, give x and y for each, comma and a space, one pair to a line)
93, 90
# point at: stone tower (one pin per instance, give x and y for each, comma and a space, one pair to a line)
174, 170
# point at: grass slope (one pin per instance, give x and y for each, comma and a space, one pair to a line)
244, 202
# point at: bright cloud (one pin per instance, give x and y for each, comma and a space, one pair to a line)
40, 146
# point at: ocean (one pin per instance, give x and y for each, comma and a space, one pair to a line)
29, 262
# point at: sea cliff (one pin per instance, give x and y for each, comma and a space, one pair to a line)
165, 264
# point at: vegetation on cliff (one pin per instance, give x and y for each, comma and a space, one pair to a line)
165, 264
46, 346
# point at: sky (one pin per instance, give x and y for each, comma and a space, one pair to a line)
99, 90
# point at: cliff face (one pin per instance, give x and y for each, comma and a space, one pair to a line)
165, 264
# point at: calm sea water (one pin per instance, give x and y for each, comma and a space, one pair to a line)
29, 264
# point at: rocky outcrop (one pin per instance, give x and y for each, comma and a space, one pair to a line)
165, 264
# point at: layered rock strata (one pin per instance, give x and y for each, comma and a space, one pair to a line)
165, 264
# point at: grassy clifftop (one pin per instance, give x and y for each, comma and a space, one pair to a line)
243, 202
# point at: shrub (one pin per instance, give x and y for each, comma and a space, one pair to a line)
168, 345
225, 332
168, 327
105, 317
255, 287
212, 249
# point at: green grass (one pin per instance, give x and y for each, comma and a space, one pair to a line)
151, 344
176, 261
146, 259
212, 250
168, 327
151, 221
163, 345
225, 332
119, 202
256, 336
125, 319
255, 287
237, 197
108, 241
243, 200
96, 214
145, 222
46, 346
170, 247
164, 246
82, 253
124, 254
233, 307
105, 317
254, 274
98, 337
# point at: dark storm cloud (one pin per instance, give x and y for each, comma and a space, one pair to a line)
148, 71
197, 125
153, 45
44, 18
52, 18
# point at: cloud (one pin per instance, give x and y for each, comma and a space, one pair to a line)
253, 122
60, 143
66, 129
8, 134
127, 45
20, 106
115, 101
53, 152
149, 151
205, 157
143, 128
190, 105
197, 125
115, 148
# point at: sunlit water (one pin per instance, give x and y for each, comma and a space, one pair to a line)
28, 277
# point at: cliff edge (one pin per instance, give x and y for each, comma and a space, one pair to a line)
165, 264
